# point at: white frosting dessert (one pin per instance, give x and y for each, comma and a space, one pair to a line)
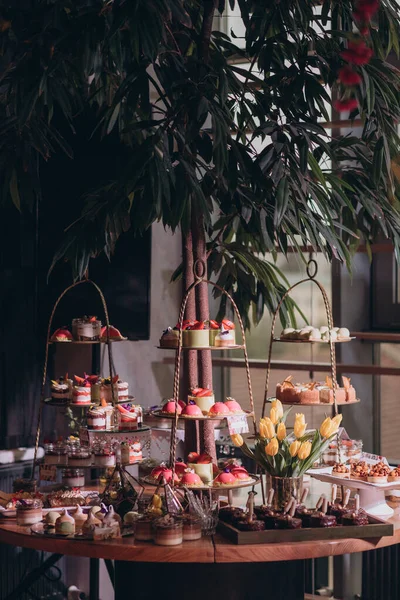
96, 419
226, 337
81, 394
86, 329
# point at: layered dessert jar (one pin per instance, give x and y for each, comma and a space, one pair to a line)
86, 329
29, 512
55, 454
96, 418
143, 528
167, 531
191, 528
104, 455
73, 477
79, 456
348, 450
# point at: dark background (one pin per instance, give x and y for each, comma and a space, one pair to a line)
27, 246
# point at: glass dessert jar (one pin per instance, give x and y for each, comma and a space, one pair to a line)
191, 528
104, 455
29, 512
348, 449
79, 457
86, 329
168, 531
73, 477
55, 454
143, 528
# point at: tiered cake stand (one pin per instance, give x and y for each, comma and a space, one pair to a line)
199, 272
372, 495
113, 436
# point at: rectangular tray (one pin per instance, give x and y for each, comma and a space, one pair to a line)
375, 529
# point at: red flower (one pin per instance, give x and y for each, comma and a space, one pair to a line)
357, 53
349, 77
365, 9
344, 105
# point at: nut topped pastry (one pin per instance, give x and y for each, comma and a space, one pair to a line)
340, 470
359, 470
394, 475
379, 473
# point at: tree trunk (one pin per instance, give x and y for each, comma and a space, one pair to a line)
203, 313
190, 377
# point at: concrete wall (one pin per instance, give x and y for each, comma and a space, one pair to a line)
140, 363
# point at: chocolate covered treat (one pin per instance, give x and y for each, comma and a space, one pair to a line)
254, 525
339, 510
320, 519
231, 514
287, 520
357, 516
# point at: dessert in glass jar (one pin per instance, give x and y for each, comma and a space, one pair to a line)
55, 454
104, 455
167, 531
79, 456
191, 528
86, 329
73, 477
348, 450
29, 511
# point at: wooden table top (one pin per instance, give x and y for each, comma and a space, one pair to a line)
206, 550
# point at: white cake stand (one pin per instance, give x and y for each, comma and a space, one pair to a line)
372, 495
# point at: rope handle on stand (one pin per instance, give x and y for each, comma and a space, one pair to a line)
46, 359
199, 276
330, 325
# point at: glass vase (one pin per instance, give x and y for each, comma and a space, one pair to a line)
284, 488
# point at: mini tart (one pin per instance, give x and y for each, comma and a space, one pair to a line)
233, 406
341, 471
191, 479
219, 409
225, 479
361, 477
192, 411
374, 477
240, 473
170, 407
394, 476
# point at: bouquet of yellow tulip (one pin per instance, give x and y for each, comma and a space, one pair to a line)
283, 455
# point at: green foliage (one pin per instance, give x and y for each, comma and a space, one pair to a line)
207, 136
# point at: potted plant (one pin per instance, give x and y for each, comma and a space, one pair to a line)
283, 457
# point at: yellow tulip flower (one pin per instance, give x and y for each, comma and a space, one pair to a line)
299, 425
272, 448
326, 426
304, 450
237, 440
269, 427
273, 416
281, 431
277, 405
336, 423
294, 448
263, 429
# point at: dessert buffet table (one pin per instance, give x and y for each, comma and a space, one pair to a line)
209, 566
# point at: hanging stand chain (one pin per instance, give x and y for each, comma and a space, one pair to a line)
46, 358
311, 278
199, 269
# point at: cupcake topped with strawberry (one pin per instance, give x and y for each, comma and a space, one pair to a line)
196, 335
203, 398
226, 337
